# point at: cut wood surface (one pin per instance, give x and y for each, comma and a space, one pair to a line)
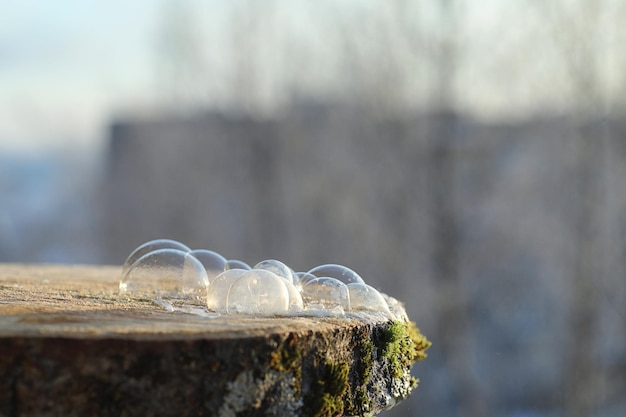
82, 301
70, 345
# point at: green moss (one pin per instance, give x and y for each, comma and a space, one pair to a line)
393, 349
419, 340
287, 358
360, 402
361, 397
402, 344
339, 389
365, 362
327, 394
336, 382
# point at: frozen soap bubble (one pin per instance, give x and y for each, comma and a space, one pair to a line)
169, 272
236, 264
260, 292
213, 262
218, 289
396, 307
151, 246
295, 299
166, 272
366, 298
340, 272
326, 293
277, 267
304, 278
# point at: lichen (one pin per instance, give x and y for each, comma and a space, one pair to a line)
287, 358
247, 392
242, 393
383, 361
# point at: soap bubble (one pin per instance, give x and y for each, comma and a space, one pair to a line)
258, 291
166, 272
213, 262
396, 308
151, 246
304, 278
327, 293
340, 272
366, 298
236, 264
295, 299
277, 267
218, 289
170, 273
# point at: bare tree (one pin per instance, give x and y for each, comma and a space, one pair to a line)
439, 49
252, 44
181, 68
576, 30
452, 304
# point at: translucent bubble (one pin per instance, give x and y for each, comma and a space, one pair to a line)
294, 278
340, 272
277, 267
396, 308
258, 291
218, 289
295, 299
166, 273
304, 278
366, 298
236, 264
213, 262
151, 246
327, 293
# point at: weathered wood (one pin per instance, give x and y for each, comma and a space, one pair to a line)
71, 346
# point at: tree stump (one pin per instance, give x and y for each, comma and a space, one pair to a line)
71, 346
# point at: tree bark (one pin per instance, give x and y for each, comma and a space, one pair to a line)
70, 345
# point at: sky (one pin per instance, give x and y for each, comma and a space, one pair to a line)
68, 67
66, 62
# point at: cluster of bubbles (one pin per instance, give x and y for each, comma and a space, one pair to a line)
169, 270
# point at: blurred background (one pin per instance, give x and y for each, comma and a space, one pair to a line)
466, 157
